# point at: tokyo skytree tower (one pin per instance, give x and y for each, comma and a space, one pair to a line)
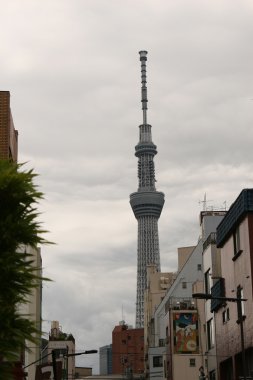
146, 203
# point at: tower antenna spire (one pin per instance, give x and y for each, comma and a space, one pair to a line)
144, 99
146, 202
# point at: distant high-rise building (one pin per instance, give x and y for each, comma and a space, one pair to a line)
8, 134
105, 360
33, 309
147, 203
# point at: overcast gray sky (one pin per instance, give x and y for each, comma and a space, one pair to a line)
73, 70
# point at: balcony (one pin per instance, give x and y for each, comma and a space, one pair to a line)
217, 290
175, 303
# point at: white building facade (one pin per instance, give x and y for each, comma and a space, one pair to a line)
177, 320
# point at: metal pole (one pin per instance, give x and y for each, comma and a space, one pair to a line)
240, 320
67, 364
54, 364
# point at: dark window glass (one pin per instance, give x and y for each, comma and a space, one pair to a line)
184, 285
157, 361
207, 281
210, 334
236, 240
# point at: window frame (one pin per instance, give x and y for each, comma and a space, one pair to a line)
207, 282
237, 243
157, 361
184, 285
225, 315
210, 334
240, 295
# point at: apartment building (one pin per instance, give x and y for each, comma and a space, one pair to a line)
178, 319
127, 350
158, 284
234, 320
8, 134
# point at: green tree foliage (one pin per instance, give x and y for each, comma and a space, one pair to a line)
18, 276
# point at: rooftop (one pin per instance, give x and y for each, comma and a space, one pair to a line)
241, 206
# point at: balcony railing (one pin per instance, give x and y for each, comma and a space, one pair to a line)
175, 303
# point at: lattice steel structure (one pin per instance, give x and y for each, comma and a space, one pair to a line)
147, 203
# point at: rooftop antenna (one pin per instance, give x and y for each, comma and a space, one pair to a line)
123, 318
205, 202
144, 99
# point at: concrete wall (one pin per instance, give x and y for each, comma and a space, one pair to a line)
209, 220
183, 254
33, 309
158, 284
156, 368
236, 272
83, 372
211, 264
182, 368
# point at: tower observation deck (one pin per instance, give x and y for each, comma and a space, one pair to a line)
146, 203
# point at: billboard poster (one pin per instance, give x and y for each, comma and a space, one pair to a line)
185, 331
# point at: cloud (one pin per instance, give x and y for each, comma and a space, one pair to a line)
74, 75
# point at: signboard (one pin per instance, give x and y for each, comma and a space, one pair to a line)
185, 332
45, 371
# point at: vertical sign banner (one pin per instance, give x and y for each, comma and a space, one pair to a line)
185, 331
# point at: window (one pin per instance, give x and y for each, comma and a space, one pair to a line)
240, 295
207, 281
225, 316
212, 375
162, 342
60, 352
199, 267
192, 362
157, 361
210, 334
184, 285
242, 302
237, 243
